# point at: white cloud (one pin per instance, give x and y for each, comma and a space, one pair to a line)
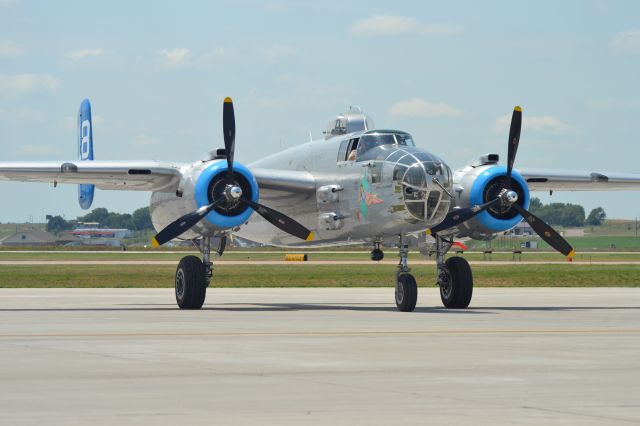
144, 139
176, 57
418, 107
10, 49
536, 123
627, 42
84, 53
26, 83
277, 53
388, 25
33, 150
21, 115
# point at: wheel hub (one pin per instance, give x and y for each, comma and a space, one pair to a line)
180, 284
399, 293
445, 284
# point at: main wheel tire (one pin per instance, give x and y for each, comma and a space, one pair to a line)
406, 293
191, 285
457, 291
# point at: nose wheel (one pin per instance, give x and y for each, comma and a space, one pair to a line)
377, 254
406, 287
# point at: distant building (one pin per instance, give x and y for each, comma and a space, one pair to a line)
91, 234
523, 228
573, 232
29, 237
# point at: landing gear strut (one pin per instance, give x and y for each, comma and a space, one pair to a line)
454, 277
406, 288
194, 275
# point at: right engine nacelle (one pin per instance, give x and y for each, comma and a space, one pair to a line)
474, 185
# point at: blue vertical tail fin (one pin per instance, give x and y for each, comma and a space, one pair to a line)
85, 151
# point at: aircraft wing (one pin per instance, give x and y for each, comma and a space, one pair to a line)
284, 180
281, 189
568, 180
113, 175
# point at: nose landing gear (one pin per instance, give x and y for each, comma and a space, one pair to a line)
376, 254
406, 288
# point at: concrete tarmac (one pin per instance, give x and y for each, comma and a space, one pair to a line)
319, 356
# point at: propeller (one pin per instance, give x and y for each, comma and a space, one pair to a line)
232, 195
508, 198
229, 130
183, 224
514, 140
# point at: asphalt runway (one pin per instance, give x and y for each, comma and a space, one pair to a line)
308, 263
319, 356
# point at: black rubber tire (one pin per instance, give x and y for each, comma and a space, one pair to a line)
191, 285
406, 293
459, 294
377, 255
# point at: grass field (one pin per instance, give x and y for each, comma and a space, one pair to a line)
374, 275
390, 254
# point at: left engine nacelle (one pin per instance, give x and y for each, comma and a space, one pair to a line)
201, 184
482, 182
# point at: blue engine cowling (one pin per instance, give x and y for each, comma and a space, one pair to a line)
209, 186
477, 185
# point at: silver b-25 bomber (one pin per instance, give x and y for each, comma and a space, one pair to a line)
357, 185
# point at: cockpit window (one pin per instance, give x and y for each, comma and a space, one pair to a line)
376, 138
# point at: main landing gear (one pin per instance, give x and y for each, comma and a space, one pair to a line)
194, 275
454, 278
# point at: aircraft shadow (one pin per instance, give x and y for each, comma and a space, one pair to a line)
280, 307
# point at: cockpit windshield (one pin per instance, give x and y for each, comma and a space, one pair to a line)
376, 138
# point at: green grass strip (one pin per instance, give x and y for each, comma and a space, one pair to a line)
374, 275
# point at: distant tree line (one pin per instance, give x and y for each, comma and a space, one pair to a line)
139, 220
566, 214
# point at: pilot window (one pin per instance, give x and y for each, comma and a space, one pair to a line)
347, 150
342, 151
371, 140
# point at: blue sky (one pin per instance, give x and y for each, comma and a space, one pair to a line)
447, 72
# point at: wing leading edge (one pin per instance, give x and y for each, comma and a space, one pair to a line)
569, 180
109, 175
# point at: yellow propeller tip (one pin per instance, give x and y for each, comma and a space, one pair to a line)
310, 236
428, 231
155, 242
227, 100
571, 254
517, 108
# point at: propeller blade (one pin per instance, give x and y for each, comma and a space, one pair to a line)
514, 139
183, 224
229, 130
280, 220
456, 217
546, 232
